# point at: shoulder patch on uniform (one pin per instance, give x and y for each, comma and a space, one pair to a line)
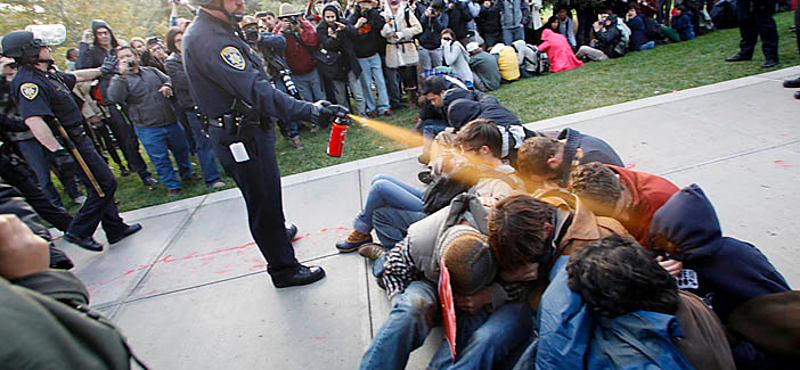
29, 90
233, 57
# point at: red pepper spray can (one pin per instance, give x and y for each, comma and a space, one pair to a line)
336, 142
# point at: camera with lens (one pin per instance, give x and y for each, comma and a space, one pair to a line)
130, 63
286, 76
293, 20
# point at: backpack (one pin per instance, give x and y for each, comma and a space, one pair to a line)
541, 62
652, 29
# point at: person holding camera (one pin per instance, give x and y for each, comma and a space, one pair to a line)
335, 36
301, 41
401, 52
489, 24
146, 91
271, 47
430, 44
368, 44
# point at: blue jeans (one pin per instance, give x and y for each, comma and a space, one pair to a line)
431, 127
414, 313
158, 142
204, 150
387, 191
391, 224
371, 69
513, 34
309, 86
488, 343
648, 45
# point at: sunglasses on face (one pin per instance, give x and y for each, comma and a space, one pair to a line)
447, 39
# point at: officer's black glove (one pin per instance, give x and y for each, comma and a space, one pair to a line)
323, 113
109, 65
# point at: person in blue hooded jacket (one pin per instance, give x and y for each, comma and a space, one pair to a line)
723, 271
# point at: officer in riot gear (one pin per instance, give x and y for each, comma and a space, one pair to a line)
230, 86
46, 103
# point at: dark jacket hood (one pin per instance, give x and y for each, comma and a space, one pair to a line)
97, 23
462, 111
689, 221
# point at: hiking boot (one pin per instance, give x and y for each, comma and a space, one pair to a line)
371, 250
353, 241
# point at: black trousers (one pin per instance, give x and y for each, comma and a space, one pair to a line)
21, 177
128, 142
96, 210
259, 179
755, 18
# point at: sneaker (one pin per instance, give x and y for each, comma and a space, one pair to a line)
296, 143
149, 182
79, 199
123, 171
372, 251
372, 114
173, 192
216, 185
353, 241
387, 113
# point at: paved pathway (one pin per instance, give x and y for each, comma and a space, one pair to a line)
191, 291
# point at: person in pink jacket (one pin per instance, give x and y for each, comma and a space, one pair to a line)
558, 51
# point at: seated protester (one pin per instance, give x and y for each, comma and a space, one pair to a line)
561, 56
432, 119
484, 67
528, 63
433, 21
682, 23
638, 314
301, 40
565, 26
608, 42
456, 57
401, 51
180, 83
146, 91
507, 61
483, 141
630, 197
551, 159
723, 271
488, 22
557, 221
336, 35
636, 22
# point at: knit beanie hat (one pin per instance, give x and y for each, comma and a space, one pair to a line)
469, 259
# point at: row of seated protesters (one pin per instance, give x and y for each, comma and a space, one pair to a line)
561, 257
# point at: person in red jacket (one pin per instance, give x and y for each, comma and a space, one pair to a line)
301, 40
630, 197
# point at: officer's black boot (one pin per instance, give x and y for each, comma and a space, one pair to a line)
302, 275
85, 243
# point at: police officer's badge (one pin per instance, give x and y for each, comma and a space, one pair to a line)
29, 90
233, 57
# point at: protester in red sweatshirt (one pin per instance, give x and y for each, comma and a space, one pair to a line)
630, 197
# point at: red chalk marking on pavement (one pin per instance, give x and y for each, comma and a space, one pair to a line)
630, 165
783, 164
320, 338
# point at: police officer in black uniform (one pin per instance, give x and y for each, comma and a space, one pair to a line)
45, 100
228, 82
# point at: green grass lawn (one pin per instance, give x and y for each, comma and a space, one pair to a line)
597, 84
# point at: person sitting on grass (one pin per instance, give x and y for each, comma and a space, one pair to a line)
723, 271
636, 22
682, 23
630, 197
507, 61
560, 53
545, 159
484, 66
608, 42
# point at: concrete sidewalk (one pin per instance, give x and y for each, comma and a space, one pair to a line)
190, 290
